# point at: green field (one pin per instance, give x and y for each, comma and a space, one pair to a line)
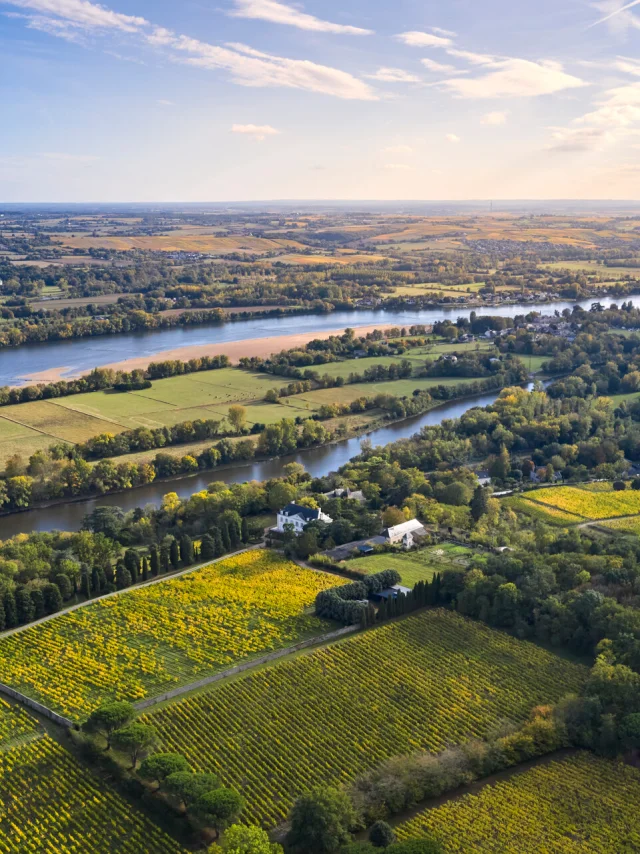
415, 566
425, 681
399, 388
28, 427
577, 805
151, 639
417, 356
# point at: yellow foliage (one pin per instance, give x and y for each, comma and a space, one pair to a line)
150, 639
577, 804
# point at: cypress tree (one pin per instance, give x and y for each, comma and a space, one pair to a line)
24, 606
245, 530
154, 560
10, 611
218, 542
174, 553
132, 562
96, 581
224, 533
3, 618
123, 577
145, 569
52, 598
165, 557
235, 533
85, 584
435, 589
37, 597
208, 548
103, 579
186, 550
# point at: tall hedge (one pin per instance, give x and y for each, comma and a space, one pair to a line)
346, 603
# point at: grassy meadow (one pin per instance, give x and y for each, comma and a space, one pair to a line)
415, 566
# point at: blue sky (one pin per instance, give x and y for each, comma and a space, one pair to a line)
216, 100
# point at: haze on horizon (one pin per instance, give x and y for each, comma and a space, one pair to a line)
253, 100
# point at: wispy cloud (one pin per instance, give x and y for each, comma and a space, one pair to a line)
514, 78
473, 58
615, 118
453, 138
417, 38
257, 132
82, 13
438, 67
400, 167
393, 75
250, 67
247, 67
281, 13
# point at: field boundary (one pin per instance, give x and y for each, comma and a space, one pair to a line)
36, 706
242, 668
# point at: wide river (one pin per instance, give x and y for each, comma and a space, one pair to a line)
81, 356
317, 461
88, 353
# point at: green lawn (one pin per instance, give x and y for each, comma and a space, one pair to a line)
399, 388
534, 363
415, 566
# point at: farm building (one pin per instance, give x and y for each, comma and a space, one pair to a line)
406, 533
299, 517
391, 592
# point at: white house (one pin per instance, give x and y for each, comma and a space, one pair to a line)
299, 517
405, 533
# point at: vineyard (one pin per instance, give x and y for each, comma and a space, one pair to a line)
144, 641
423, 682
16, 726
631, 525
587, 503
542, 513
578, 805
50, 803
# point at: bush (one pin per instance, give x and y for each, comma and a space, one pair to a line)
381, 835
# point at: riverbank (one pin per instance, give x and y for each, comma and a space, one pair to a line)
235, 350
68, 515
55, 359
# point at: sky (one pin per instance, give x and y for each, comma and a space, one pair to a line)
249, 100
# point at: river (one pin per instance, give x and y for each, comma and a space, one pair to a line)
317, 461
82, 355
